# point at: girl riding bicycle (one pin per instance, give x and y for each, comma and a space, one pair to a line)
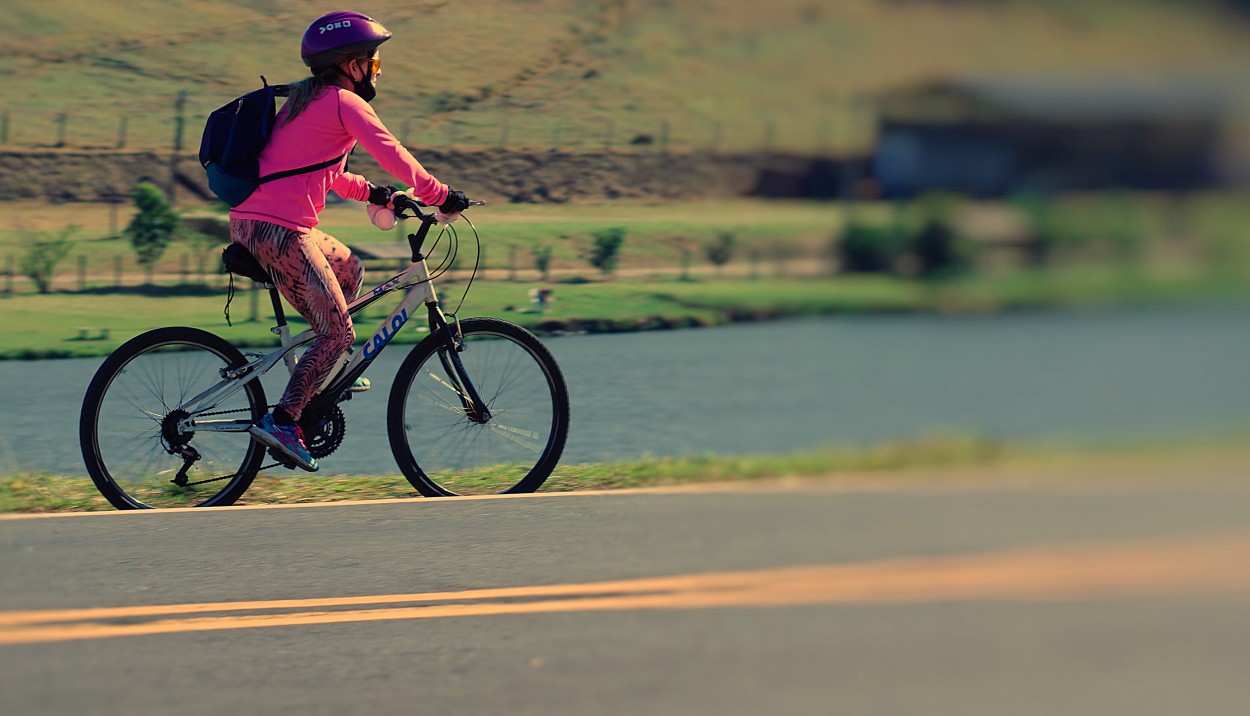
325, 116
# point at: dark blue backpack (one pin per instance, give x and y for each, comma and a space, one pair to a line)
233, 138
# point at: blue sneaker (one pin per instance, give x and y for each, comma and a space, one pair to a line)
284, 441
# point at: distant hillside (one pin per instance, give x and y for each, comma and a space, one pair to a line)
534, 74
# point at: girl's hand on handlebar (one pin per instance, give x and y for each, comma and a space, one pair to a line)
455, 203
380, 194
406, 201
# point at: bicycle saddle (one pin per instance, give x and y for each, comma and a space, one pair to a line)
239, 260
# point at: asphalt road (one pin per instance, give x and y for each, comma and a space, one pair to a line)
969, 600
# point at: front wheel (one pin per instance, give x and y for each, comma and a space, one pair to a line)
131, 443
443, 448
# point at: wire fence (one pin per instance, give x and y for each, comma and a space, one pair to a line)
176, 129
203, 274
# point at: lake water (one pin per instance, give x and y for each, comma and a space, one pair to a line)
795, 385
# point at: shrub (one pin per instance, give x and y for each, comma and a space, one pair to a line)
43, 254
720, 250
939, 251
606, 249
151, 228
542, 259
869, 249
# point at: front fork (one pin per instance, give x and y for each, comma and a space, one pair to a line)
474, 407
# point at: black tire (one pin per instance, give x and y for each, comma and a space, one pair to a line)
125, 426
441, 451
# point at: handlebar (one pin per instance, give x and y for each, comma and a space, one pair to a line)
404, 202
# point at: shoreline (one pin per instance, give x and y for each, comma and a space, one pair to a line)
706, 317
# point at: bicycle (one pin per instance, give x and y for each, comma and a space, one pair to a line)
478, 406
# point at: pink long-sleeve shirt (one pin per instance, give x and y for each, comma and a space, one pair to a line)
330, 126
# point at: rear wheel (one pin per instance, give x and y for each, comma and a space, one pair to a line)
129, 433
442, 448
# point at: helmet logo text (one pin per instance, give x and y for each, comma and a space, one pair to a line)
334, 26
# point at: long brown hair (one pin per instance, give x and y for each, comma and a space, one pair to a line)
302, 92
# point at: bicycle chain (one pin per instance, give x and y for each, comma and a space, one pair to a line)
227, 477
336, 442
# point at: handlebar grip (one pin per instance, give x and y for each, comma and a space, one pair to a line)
403, 201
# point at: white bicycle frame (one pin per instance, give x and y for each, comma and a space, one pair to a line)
416, 278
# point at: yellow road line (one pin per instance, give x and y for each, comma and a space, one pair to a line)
1209, 565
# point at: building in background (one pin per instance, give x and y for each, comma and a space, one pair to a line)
991, 138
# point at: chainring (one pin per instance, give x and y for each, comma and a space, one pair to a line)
323, 433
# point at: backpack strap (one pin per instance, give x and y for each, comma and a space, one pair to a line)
301, 170
283, 91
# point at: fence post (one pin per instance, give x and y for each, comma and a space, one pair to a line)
4, 127
180, 120
121, 132
608, 134
186, 267
8, 276
180, 104
82, 272
664, 136
62, 120
255, 303
512, 262
114, 200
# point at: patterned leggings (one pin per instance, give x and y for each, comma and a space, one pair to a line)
317, 275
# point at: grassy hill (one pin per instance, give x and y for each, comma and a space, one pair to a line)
533, 74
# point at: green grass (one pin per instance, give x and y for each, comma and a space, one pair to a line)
51, 493
579, 74
48, 325
929, 460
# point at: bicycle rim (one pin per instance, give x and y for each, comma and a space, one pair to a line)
443, 451
129, 419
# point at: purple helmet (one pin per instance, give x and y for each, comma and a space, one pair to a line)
340, 33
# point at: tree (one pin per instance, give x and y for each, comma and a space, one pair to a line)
542, 259
151, 228
869, 249
44, 253
606, 250
720, 250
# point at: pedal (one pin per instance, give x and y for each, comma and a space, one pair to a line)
360, 386
282, 459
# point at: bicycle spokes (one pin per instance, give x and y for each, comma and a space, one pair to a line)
489, 418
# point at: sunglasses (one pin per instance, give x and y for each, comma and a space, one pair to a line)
375, 64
